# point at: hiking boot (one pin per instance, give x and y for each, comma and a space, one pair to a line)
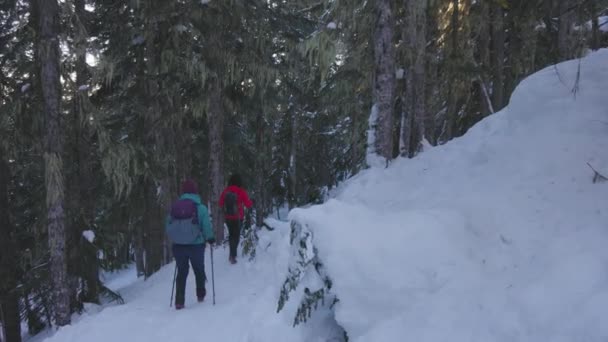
200, 295
179, 306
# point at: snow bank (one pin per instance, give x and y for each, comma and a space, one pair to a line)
497, 236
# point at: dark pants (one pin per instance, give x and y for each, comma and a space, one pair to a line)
234, 235
195, 255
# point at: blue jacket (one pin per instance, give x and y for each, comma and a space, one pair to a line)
203, 219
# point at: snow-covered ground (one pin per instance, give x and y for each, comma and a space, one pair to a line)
245, 310
496, 236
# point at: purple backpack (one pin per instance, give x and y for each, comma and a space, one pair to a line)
183, 227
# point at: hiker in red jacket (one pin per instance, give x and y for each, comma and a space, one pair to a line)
233, 200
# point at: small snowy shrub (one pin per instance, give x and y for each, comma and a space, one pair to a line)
305, 264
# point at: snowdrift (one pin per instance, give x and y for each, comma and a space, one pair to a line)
496, 236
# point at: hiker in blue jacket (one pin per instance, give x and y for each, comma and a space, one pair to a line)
188, 215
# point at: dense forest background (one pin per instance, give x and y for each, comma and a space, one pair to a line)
107, 105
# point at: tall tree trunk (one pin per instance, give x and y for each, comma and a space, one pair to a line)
259, 169
10, 318
451, 106
407, 111
140, 263
293, 151
381, 116
484, 58
595, 25
215, 119
154, 235
498, 43
414, 103
565, 30
512, 23
419, 69
432, 84
83, 257
551, 33
155, 134
9, 299
48, 57
522, 38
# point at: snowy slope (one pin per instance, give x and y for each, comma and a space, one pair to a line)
497, 236
245, 310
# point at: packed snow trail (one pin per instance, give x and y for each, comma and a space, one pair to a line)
245, 310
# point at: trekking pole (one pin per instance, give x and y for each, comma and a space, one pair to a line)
212, 275
173, 288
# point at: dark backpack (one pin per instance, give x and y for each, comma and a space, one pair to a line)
183, 227
230, 204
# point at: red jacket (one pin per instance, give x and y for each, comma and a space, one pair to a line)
242, 200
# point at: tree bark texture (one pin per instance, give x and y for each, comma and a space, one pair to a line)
414, 104
49, 65
484, 59
259, 170
9, 298
498, 44
83, 257
451, 106
384, 78
565, 34
11, 318
215, 121
595, 25
293, 153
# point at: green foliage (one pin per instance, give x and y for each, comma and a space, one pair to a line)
308, 305
305, 260
250, 241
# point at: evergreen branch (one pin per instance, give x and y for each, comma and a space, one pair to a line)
597, 177
112, 295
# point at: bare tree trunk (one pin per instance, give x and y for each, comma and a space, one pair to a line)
565, 30
293, 185
48, 57
83, 255
9, 299
498, 40
154, 135
136, 205
551, 33
420, 75
259, 170
522, 37
407, 112
140, 263
10, 318
595, 25
215, 119
484, 58
451, 106
152, 223
414, 110
384, 82
432, 84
